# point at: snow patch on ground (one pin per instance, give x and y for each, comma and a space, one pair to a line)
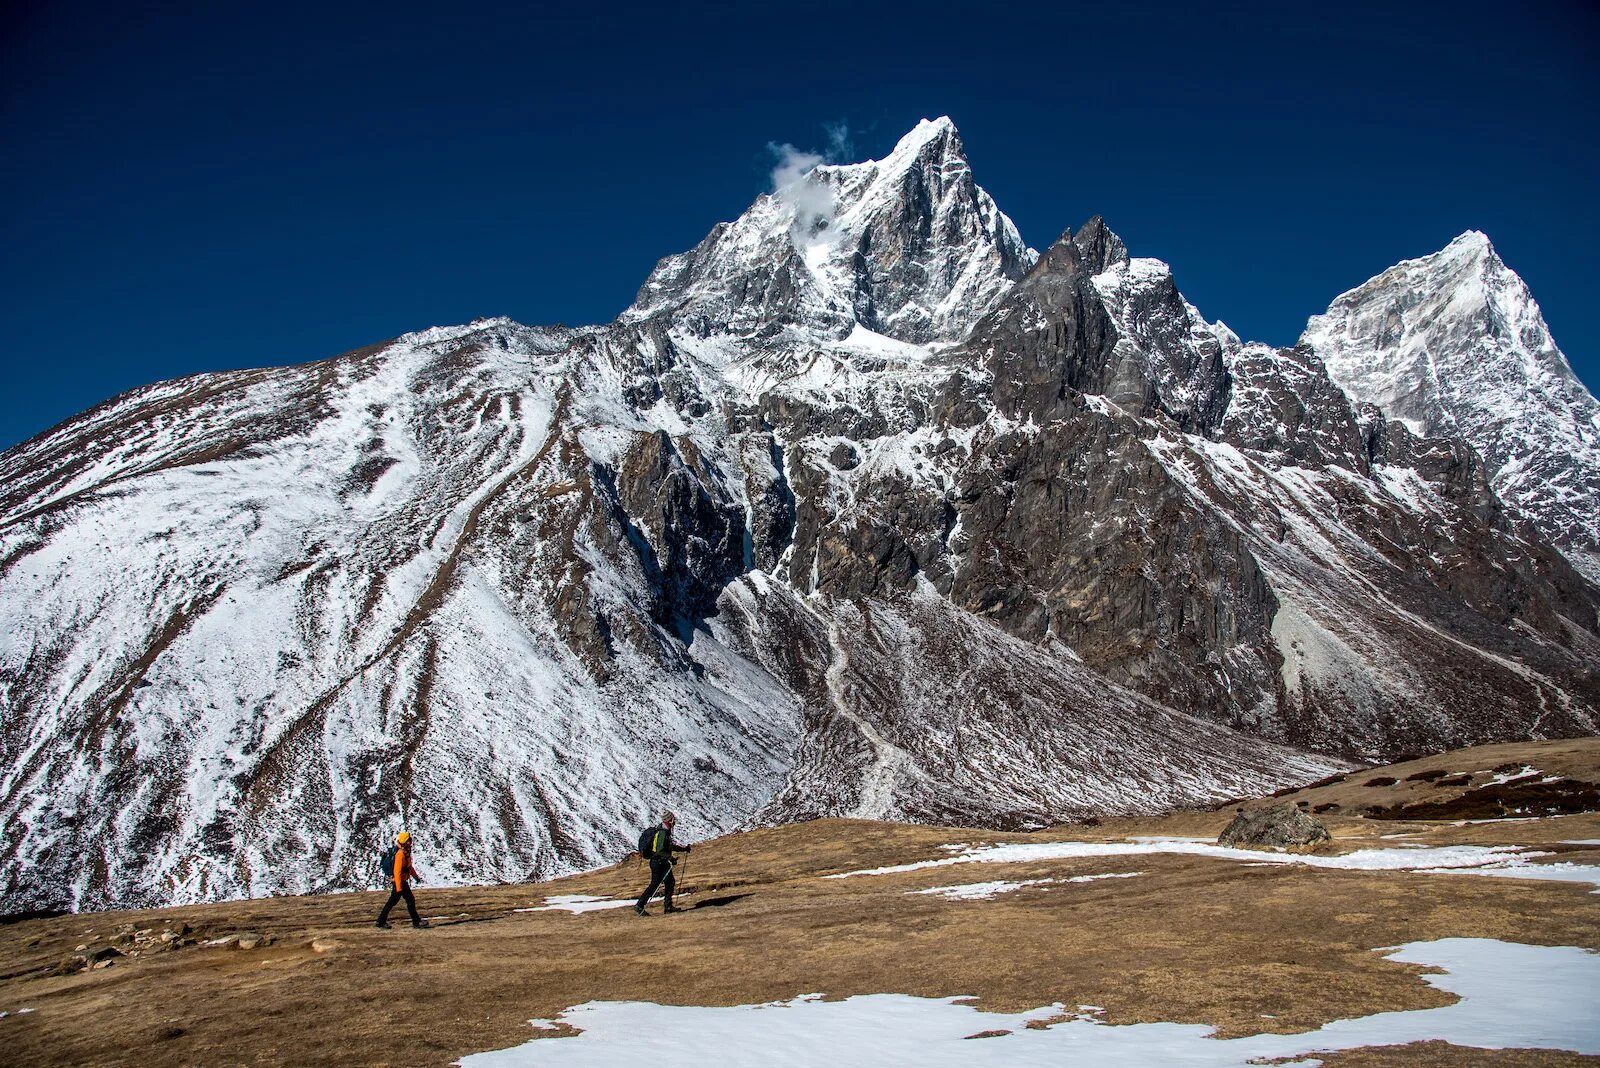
1507, 776
1562, 871
1170, 838
1105, 875
576, 903
1512, 996
981, 891
1505, 861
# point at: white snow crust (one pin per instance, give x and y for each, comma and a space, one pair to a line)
576, 903
1512, 862
991, 890
1511, 996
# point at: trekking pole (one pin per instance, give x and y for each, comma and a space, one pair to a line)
684, 889
672, 873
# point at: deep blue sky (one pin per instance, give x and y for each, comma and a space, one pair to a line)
249, 186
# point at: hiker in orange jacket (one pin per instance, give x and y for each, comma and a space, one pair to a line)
401, 876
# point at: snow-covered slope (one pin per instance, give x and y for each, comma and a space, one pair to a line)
862, 508
1453, 344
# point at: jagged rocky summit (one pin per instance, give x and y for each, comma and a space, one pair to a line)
862, 508
1454, 345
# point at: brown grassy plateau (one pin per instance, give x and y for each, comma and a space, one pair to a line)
1192, 940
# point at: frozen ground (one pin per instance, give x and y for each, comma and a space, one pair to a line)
1512, 996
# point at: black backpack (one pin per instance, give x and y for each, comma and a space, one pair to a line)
647, 841
386, 869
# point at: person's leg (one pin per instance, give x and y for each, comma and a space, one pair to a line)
667, 887
658, 871
394, 896
411, 905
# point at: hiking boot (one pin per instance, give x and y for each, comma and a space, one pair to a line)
638, 910
672, 908
421, 923
384, 925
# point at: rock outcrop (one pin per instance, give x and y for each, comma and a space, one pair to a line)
1279, 827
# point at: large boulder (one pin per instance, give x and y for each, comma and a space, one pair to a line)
1281, 825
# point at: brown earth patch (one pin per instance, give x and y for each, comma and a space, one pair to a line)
1444, 1055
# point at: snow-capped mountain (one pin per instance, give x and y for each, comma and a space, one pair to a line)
1454, 345
908, 247
862, 508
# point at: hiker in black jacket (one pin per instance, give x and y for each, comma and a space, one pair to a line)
656, 846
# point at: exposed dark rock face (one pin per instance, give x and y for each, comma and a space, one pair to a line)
1078, 534
1282, 405
1051, 337
1088, 320
689, 533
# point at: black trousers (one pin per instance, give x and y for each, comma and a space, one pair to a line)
660, 875
395, 896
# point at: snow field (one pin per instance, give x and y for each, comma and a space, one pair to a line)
1512, 996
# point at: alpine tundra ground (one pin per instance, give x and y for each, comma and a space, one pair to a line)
1191, 938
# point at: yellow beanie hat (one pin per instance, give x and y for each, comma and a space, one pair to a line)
403, 837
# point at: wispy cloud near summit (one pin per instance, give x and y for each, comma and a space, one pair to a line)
794, 184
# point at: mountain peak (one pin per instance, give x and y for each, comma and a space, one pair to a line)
929, 142
1471, 252
929, 157
1093, 250
1098, 246
1468, 257
929, 137
1453, 344
907, 246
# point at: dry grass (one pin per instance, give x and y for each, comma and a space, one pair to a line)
1194, 940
